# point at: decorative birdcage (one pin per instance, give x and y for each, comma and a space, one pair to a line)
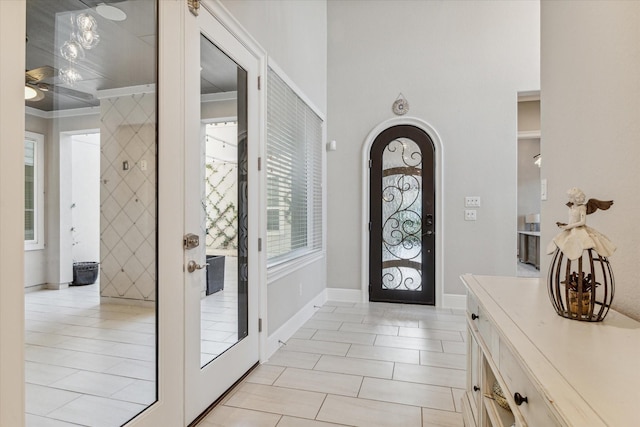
581, 289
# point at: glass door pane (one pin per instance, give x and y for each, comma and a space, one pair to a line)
224, 199
90, 242
402, 216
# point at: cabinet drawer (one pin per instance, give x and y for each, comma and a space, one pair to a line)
473, 376
534, 411
472, 304
486, 332
484, 327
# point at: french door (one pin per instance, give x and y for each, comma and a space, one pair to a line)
402, 215
192, 369
221, 196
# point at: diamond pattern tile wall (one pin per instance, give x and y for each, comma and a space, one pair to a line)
128, 197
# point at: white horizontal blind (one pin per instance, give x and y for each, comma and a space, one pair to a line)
294, 174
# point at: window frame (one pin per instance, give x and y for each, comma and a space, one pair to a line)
280, 265
38, 241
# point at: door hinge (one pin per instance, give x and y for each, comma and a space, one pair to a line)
259, 325
370, 162
259, 82
259, 244
259, 163
194, 6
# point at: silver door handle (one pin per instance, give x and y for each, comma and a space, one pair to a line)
428, 233
193, 266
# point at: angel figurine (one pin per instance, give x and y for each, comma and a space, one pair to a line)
576, 236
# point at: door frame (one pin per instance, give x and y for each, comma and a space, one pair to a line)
438, 157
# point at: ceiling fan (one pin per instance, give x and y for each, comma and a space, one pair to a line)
36, 85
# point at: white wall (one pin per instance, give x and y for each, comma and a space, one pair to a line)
460, 65
85, 196
294, 35
591, 125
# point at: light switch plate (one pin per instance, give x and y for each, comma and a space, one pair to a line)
470, 215
543, 189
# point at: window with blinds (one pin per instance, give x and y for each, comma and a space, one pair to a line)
29, 190
33, 191
294, 174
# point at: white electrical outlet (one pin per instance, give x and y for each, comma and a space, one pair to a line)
472, 202
543, 189
143, 165
470, 214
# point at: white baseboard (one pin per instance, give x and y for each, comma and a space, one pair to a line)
56, 286
454, 301
355, 295
344, 295
290, 327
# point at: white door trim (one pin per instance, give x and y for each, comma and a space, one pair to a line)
439, 185
169, 408
12, 124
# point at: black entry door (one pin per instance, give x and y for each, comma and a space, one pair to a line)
402, 209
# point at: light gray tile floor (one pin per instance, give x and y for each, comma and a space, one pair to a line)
355, 364
351, 364
527, 270
87, 363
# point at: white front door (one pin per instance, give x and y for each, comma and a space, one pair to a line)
221, 205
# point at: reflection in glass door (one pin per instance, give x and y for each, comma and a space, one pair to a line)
224, 201
90, 313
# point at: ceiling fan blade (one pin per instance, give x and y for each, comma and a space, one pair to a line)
41, 73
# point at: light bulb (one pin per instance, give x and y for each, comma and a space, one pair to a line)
72, 51
87, 39
69, 75
86, 22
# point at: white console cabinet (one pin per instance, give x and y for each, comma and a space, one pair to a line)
552, 371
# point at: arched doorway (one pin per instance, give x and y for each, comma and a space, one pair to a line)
402, 216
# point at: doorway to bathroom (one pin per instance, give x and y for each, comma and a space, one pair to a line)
530, 190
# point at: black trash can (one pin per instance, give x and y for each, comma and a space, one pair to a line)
85, 273
215, 273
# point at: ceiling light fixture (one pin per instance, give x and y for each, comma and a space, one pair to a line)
111, 13
29, 93
87, 34
32, 93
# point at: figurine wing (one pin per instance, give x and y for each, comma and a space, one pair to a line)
595, 204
